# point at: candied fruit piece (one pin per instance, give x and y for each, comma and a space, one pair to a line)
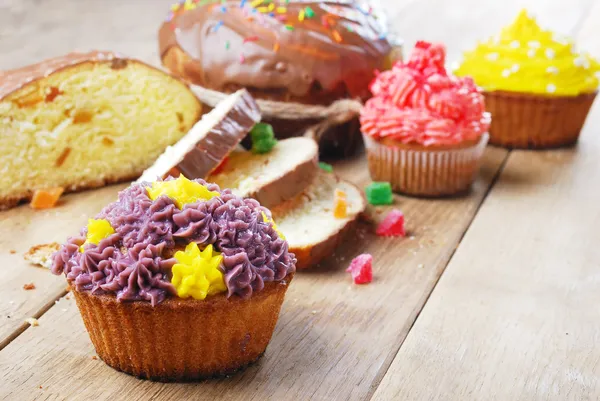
340, 204
379, 193
263, 138
46, 198
361, 269
392, 225
326, 167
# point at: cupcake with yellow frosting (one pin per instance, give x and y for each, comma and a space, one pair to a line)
178, 280
538, 87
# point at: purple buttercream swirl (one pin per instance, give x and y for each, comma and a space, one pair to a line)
135, 262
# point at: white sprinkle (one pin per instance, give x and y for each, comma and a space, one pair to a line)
552, 70
534, 44
515, 68
582, 62
551, 88
505, 73
531, 53
32, 321
550, 53
515, 44
562, 40
492, 56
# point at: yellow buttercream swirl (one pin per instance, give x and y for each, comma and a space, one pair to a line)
197, 272
181, 190
527, 59
268, 220
97, 230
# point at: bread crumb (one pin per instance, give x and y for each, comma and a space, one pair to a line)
12, 251
29, 286
94, 357
314, 312
41, 387
32, 321
421, 265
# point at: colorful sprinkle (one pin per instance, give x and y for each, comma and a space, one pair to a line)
301, 15
325, 22
276, 47
250, 39
271, 7
281, 10
256, 3
223, 9
263, 9
242, 58
227, 45
309, 12
289, 27
217, 26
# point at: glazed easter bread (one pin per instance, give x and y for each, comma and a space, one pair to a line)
84, 120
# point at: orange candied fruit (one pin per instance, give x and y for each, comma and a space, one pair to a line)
46, 198
340, 205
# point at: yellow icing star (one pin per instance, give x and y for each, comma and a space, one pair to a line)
197, 274
527, 59
181, 190
97, 230
266, 219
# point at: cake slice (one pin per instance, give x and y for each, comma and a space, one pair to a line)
84, 120
211, 139
273, 177
308, 221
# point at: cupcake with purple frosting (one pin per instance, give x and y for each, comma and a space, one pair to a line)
178, 280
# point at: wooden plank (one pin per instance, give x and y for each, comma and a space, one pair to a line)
515, 315
24, 227
333, 339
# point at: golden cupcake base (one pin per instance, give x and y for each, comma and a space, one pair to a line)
425, 171
182, 339
528, 121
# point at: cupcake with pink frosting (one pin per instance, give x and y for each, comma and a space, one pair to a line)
425, 130
178, 280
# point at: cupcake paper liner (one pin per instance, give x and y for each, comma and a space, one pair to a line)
426, 171
527, 121
182, 339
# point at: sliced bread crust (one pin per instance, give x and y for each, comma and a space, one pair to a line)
308, 222
274, 177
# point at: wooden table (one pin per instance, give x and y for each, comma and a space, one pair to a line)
492, 297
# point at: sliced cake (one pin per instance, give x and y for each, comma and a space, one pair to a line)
84, 120
310, 221
273, 177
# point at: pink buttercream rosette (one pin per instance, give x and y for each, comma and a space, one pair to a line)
419, 102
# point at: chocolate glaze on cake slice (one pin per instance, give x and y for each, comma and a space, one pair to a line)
209, 141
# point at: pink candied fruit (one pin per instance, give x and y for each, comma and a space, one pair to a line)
361, 269
392, 225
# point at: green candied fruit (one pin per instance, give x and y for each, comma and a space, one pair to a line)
264, 145
379, 193
326, 167
263, 138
